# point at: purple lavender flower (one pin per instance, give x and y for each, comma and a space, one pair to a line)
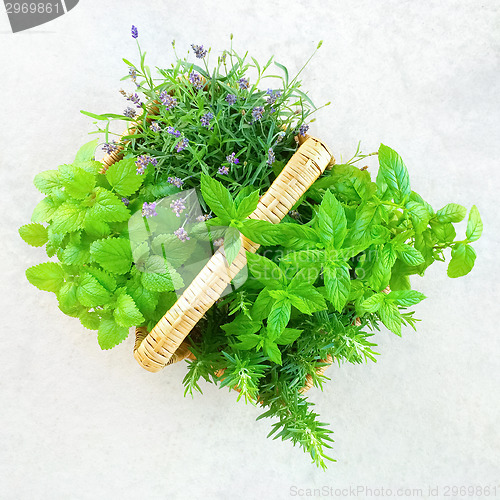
155, 127
196, 80
110, 147
126, 201
149, 209
205, 119
135, 99
182, 144
143, 161
176, 181
303, 129
129, 112
132, 72
271, 158
231, 158
273, 95
203, 218
198, 50
134, 32
231, 99
243, 83
182, 234
280, 137
223, 170
257, 113
172, 131
178, 206
167, 100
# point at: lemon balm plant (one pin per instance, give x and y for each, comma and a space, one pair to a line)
324, 279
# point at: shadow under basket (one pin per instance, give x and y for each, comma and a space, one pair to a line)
166, 343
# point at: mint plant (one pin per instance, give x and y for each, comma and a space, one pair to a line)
324, 279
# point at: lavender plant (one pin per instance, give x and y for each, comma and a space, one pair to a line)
323, 281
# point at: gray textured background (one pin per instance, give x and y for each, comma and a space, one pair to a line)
422, 77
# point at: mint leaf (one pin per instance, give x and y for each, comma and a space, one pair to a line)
126, 312
474, 225
77, 182
419, 215
111, 334
48, 276
272, 351
462, 260
160, 276
338, 285
247, 205
451, 213
279, 317
113, 254
288, 336
107, 207
262, 232
68, 301
395, 173
67, 218
47, 181
372, 304
391, 317
409, 255
306, 298
75, 255
44, 211
265, 271
444, 231
34, 234
262, 306
218, 199
405, 298
248, 341
106, 280
367, 215
232, 244
145, 299
332, 221
122, 176
90, 319
91, 293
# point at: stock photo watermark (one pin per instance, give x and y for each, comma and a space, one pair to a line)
26, 15
491, 490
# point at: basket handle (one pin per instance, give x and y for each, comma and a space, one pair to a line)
165, 343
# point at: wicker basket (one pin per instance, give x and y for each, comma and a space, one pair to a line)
166, 344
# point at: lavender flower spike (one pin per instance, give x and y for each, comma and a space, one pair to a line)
303, 129
182, 144
232, 158
243, 83
178, 206
134, 31
199, 51
231, 99
223, 170
181, 233
167, 100
129, 112
149, 209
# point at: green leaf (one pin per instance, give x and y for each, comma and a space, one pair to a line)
34, 234
77, 182
47, 181
451, 213
242, 325
68, 301
332, 221
44, 211
262, 232
96, 228
444, 231
75, 255
272, 351
232, 244
474, 225
262, 305
90, 319
247, 205
265, 271
367, 215
409, 255
113, 254
248, 341
108, 281
111, 334
419, 215
48, 276
145, 299
218, 199
395, 173
87, 151
157, 282
338, 285
107, 207
279, 317
288, 336
306, 298
372, 304
462, 260
405, 298
391, 317
67, 218
122, 176
126, 312
91, 293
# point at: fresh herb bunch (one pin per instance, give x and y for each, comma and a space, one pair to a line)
324, 279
